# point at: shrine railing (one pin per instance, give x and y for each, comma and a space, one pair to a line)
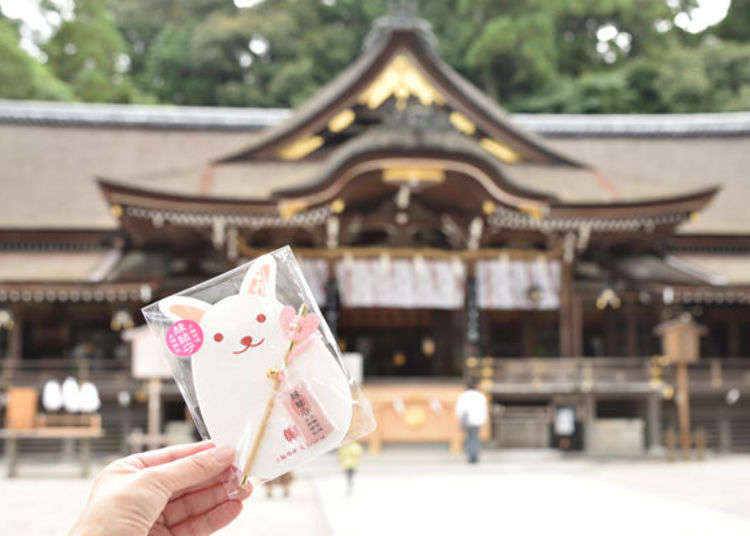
608, 375
109, 375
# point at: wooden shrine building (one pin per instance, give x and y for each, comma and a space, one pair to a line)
441, 236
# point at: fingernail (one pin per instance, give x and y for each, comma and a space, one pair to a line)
224, 454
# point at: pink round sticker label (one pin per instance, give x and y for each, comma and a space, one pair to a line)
184, 338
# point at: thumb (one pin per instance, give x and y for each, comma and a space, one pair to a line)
192, 470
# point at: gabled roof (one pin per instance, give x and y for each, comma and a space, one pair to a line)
402, 45
483, 187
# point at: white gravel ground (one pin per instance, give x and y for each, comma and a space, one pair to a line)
426, 491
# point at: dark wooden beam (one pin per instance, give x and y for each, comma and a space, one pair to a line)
631, 327
566, 310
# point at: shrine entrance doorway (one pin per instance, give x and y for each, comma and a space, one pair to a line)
404, 342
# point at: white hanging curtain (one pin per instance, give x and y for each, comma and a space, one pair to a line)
316, 274
401, 283
506, 283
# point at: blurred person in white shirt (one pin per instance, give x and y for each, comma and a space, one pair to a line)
471, 410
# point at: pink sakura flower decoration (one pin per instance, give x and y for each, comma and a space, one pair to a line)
297, 327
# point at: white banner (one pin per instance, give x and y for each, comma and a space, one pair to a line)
316, 274
401, 283
506, 283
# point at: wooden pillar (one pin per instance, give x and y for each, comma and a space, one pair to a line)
473, 334
631, 327
11, 452
683, 408
653, 418
331, 308
589, 416
577, 321
15, 349
734, 346
725, 431
15, 344
528, 334
566, 309
610, 332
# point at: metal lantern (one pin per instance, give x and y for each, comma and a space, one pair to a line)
122, 319
6, 320
608, 298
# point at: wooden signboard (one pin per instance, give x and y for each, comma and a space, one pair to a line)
147, 357
680, 339
21, 409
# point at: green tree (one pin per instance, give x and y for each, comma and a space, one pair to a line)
89, 54
736, 25
22, 76
577, 56
277, 54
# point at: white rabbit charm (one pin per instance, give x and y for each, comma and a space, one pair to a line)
243, 337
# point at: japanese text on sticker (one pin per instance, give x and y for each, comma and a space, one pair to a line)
306, 413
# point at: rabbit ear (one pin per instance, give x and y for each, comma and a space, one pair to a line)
260, 279
183, 308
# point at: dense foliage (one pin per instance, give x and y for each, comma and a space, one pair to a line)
574, 56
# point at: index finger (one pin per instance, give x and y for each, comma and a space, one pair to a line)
152, 458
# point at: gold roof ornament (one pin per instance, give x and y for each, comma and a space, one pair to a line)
532, 210
338, 206
301, 147
488, 207
341, 120
400, 79
287, 209
462, 123
413, 174
500, 150
116, 211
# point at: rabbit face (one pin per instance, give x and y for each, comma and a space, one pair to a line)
239, 326
242, 327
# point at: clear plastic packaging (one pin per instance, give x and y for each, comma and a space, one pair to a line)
259, 368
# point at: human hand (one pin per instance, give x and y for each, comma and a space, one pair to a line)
175, 491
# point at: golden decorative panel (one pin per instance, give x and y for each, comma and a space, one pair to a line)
499, 150
301, 147
341, 120
400, 79
287, 209
338, 206
413, 174
535, 212
462, 123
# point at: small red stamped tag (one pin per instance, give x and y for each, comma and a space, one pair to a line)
306, 412
184, 338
